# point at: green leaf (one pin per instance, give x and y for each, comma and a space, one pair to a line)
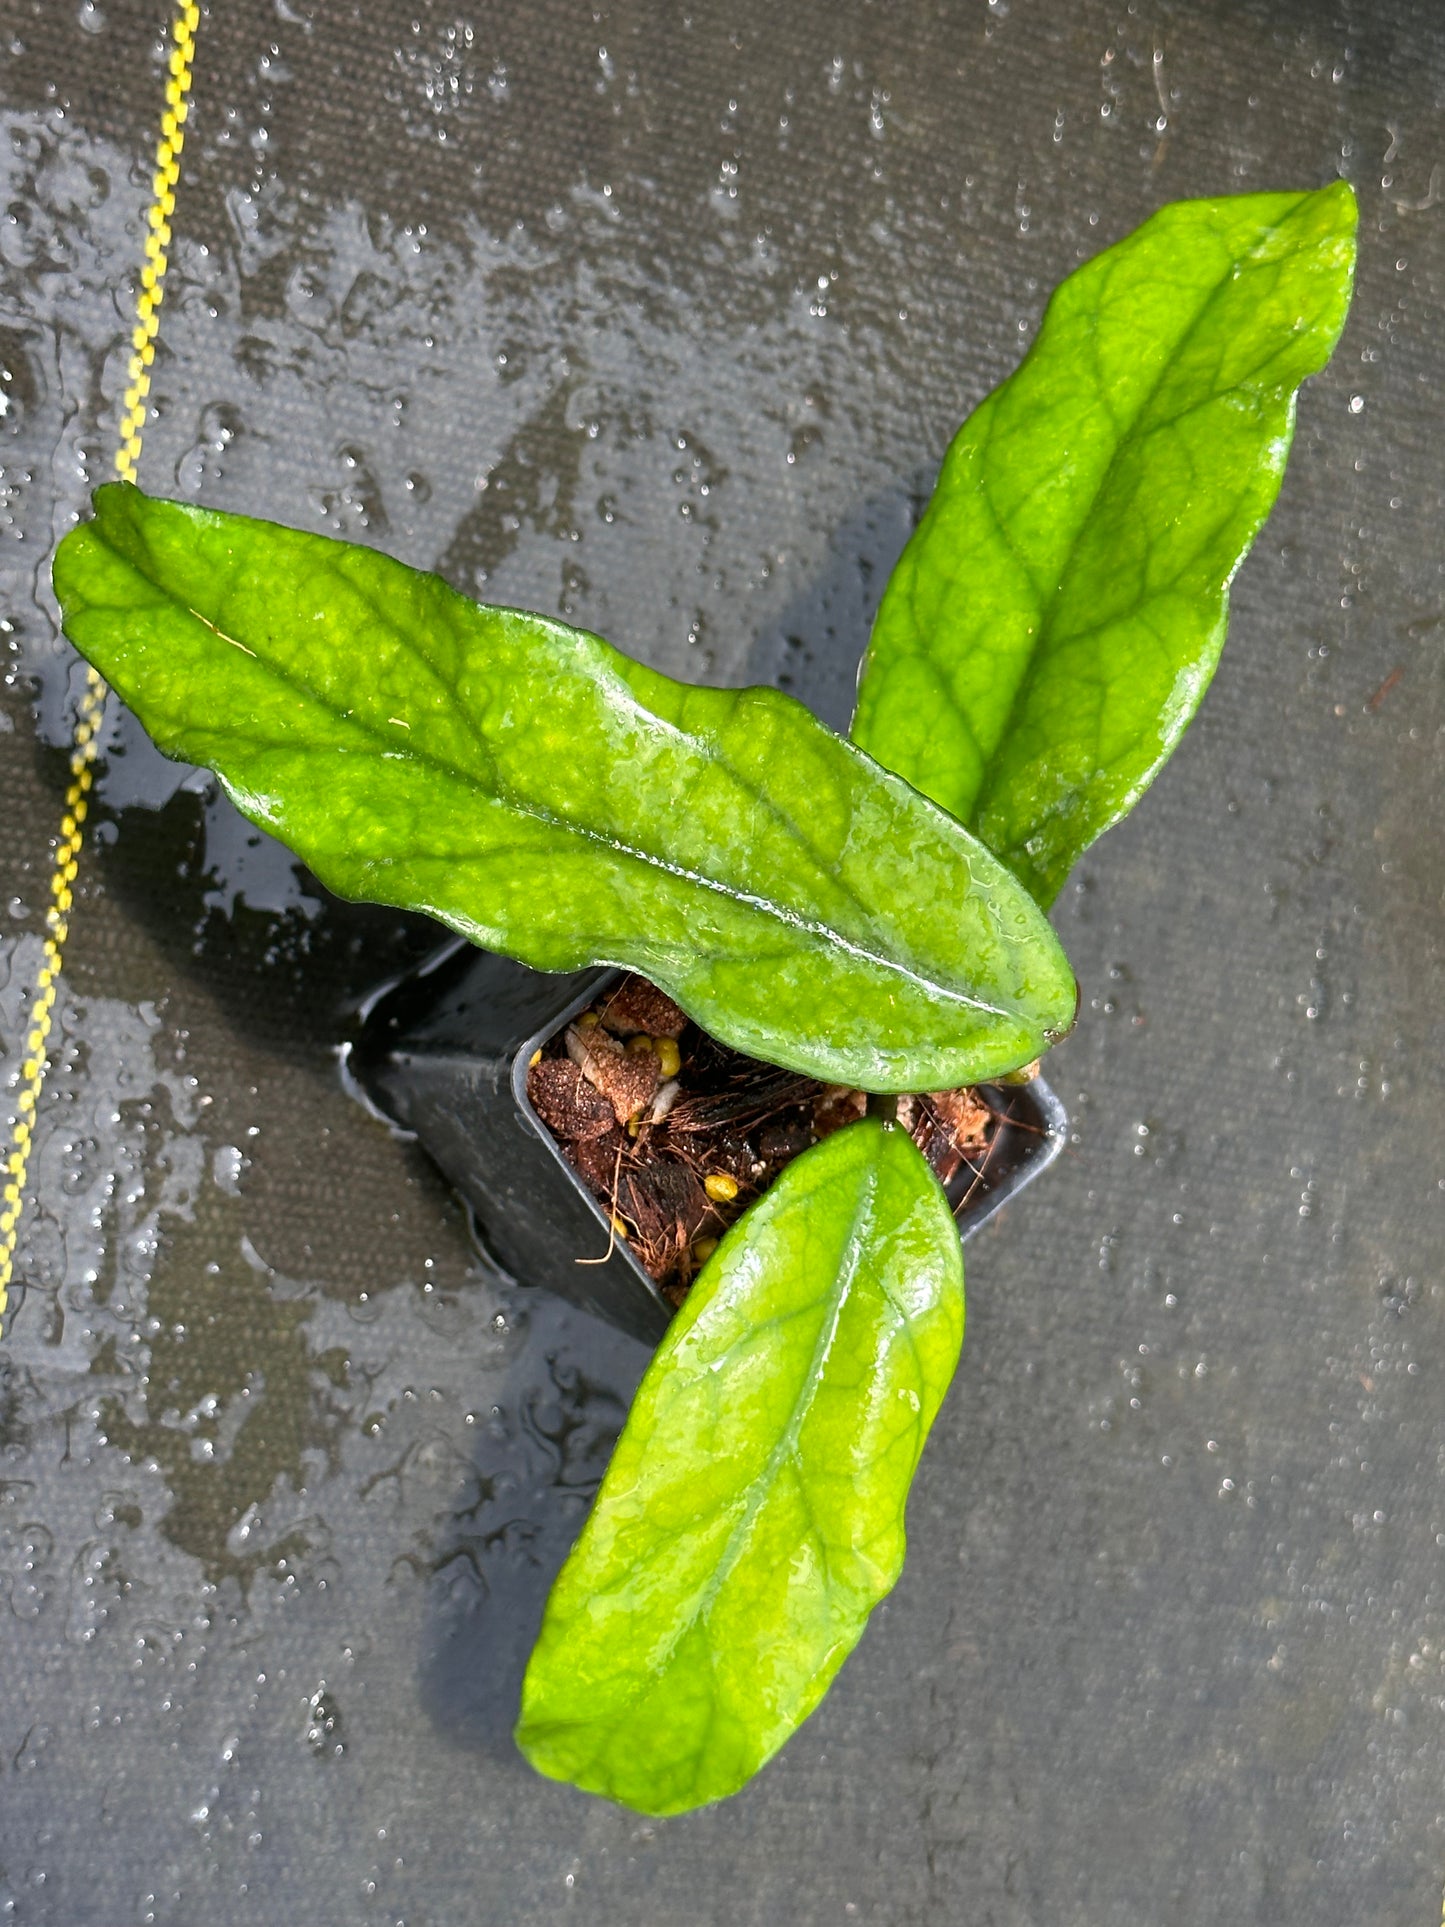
1056, 618
546, 797
752, 1515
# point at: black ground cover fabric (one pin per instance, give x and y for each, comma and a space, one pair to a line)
659, 318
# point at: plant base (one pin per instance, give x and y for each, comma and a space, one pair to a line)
445, 1052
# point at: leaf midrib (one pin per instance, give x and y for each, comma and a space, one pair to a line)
415, 752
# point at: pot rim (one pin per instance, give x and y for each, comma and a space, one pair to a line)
521, 1064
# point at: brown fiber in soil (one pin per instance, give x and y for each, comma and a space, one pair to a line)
676, 1135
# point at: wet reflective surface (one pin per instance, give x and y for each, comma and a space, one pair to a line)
660, 322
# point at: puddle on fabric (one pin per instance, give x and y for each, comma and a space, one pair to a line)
246, 1435
271, 1415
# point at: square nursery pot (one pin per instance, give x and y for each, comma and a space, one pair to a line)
443, 1052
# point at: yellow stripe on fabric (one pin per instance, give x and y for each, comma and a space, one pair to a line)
86, 737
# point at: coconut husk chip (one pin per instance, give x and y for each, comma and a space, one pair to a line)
636, 1006
629, 1080
567, 1103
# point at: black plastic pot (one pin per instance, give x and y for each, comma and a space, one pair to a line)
444, 1052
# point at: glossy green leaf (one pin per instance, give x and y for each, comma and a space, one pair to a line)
752, 1515
1056, 618
547, 797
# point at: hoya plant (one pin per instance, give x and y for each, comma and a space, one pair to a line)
867, 912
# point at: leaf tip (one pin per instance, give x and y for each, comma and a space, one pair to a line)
1341, 194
